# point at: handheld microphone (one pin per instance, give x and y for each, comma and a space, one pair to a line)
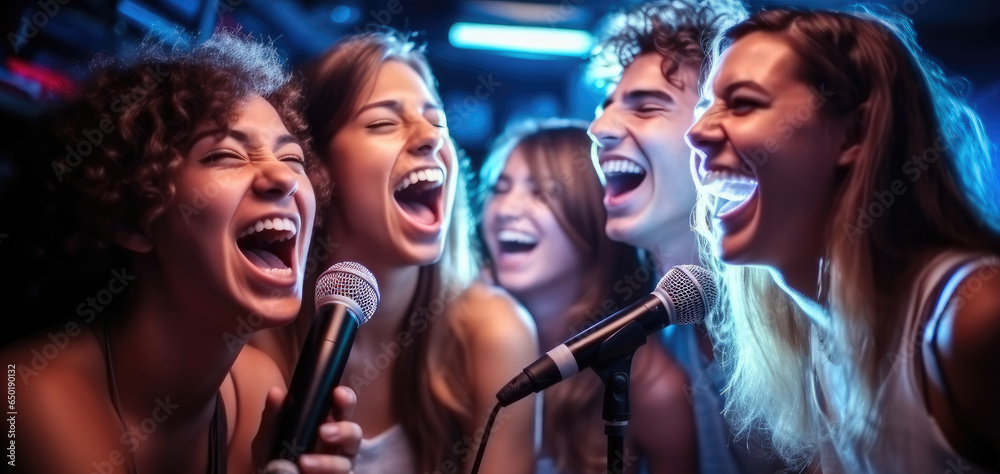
683, 296
346, 297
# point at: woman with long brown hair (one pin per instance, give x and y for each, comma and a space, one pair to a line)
429, 363
848, 199
542, 221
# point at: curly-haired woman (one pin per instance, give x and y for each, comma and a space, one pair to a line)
198, 203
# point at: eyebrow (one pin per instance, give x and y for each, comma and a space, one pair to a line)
637, 95
244, 138
732, 86
395, 105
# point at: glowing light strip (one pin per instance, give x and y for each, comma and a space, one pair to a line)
522, 39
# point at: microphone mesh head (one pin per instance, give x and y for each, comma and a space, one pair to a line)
692, 290
349, 280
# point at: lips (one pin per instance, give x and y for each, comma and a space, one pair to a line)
268, 244
419, 195
515, 241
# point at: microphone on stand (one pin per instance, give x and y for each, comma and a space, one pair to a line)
346, 297
683, 296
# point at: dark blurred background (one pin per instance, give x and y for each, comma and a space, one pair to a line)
47, 42
537, 72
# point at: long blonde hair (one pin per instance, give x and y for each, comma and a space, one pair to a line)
430, 401
905, 110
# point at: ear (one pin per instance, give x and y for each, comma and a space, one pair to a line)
854, 135
849, 155
134, 240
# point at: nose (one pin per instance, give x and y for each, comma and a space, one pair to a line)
607, 130
426, 140
706, 134
275, 180
706, 137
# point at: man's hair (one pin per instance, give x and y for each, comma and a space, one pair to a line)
679, 30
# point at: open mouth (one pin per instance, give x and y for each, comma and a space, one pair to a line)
513, 241
269, 244
419, 193
731, 189
622, 176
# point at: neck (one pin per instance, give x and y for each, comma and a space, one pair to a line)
799, 278
682, 249
190, 360
549, 307
397, 286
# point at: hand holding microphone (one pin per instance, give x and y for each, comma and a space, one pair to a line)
683, 296
346, 297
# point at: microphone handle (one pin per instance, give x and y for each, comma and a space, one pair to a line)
319, 369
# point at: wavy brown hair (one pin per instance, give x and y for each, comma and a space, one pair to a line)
557, 153
903, 107
429, 380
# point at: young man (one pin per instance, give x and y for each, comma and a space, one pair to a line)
654, 56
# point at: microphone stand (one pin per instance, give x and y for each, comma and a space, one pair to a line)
616, 374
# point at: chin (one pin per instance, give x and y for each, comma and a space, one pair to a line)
421, 254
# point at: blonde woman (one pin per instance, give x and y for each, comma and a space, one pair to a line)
845, 191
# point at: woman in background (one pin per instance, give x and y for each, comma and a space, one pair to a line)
543, 223
428, 364
197, 205
857, 246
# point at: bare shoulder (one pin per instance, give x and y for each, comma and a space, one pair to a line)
968, 340
659, 382
489, 315
663, 424
60, 397
253, 374
968, 344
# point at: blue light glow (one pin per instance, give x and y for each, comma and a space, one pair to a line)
522, 39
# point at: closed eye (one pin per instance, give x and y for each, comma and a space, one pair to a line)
742, 106
380, 124
295, 161
222, 156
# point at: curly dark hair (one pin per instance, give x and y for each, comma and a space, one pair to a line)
679, 30
125, 130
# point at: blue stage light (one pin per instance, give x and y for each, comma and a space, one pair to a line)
521, 39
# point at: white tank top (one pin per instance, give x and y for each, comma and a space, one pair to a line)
386, 453
915, 443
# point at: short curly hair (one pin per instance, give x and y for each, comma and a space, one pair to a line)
144, 111
679, 30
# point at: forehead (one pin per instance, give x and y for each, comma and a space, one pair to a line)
764, 58
645, 72
396, 77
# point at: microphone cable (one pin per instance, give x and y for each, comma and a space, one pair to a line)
486, 437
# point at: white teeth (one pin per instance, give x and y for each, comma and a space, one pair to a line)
728, 185
516, 236
433, 175
621, 167
279, 271
275, 223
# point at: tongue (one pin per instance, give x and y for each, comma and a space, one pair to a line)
622, 183
418, 212
263, 259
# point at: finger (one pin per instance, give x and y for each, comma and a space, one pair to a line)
344, 402
340, 437
324, 464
